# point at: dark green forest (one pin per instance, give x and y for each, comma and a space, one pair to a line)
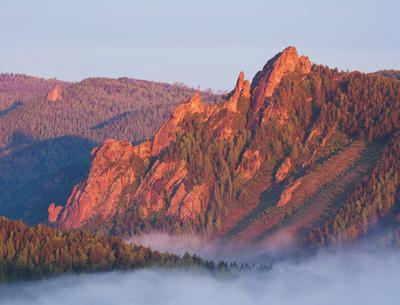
40, 251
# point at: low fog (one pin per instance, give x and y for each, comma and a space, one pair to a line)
241, 253
178, 244
345, 278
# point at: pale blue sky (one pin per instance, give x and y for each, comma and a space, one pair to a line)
202, 43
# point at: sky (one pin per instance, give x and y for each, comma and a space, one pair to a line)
200, 43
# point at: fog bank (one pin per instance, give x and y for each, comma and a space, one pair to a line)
195, 244
346, 278
178, 244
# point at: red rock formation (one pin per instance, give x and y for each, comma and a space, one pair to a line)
187, 206
167, 133
112, 173
265, 81
242, 89
176, 201
112, 183
54, 212
143, 150
223, 118
195, 202
123, 176
283, 170
315, 133
158, 185
286, 195
55, 94
328, 135
250, 164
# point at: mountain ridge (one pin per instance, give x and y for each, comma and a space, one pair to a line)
195, 174
285, 62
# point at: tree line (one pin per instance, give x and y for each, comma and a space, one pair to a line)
40, 251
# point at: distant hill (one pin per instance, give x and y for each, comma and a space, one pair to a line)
48, 128
389, 73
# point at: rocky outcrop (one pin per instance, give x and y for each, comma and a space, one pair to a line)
115, 182
287, 194
167, 132
106, 190
226, 119
283, 170
143, 150
265, 81
55, 94
251, 163
328, 135
242, 89
187, 206
315, 133
158, 186
54, 211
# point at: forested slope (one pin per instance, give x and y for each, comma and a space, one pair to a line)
48, 128
210, 166
37, 252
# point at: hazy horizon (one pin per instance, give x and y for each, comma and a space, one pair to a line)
202, 44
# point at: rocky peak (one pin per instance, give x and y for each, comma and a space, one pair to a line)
193, 105
54, 212
304, 65
54, 94
242, 89
112, 151
167, 133
265, 81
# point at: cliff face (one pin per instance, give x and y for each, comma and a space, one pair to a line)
166, 134
115, 183
108, 188
266, 80
55, 94
48, 128
244, 168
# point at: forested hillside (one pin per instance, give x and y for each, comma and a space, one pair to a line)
95, 108
48, 128
303, 147
38, 252
389, 73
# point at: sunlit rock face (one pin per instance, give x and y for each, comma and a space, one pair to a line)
55, 94
279, 154
266, 80
135, 177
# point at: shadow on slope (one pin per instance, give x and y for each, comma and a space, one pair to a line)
35, 173
10, 108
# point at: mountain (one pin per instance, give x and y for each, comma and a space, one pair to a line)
303, 154
48, 128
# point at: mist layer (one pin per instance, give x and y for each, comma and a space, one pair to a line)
347, 278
